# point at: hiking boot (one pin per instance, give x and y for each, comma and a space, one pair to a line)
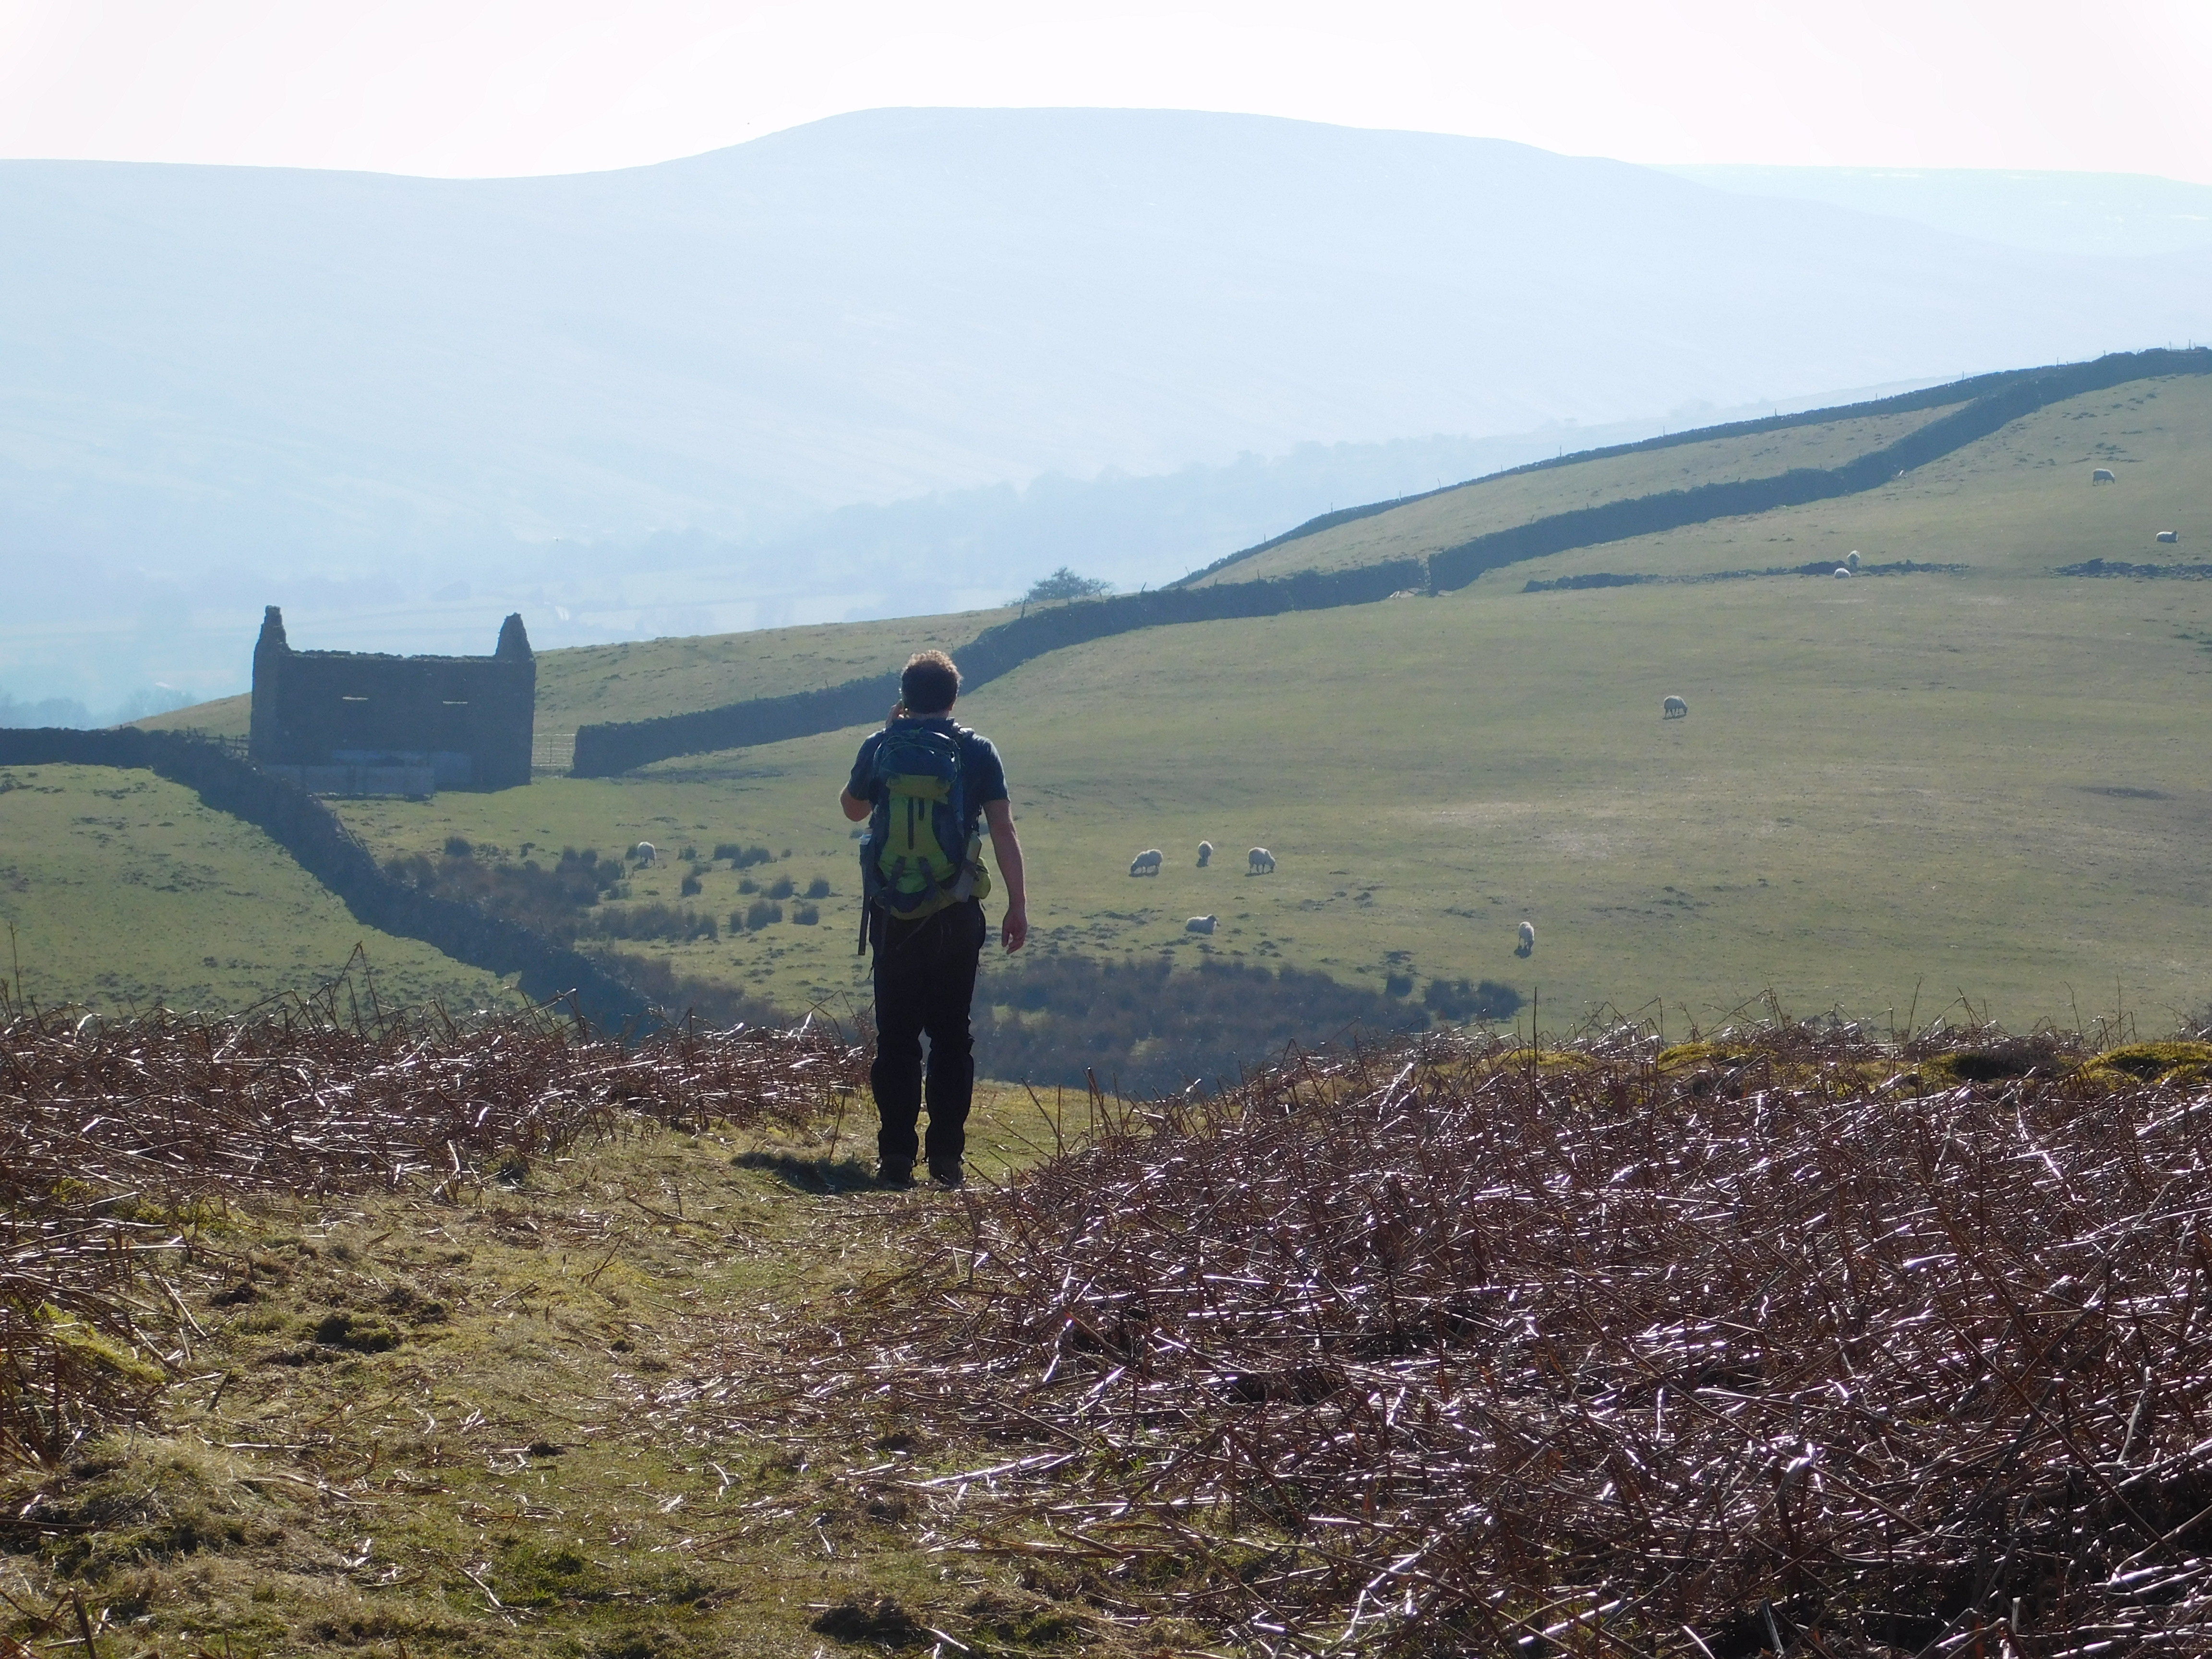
892, 1173
945, 1171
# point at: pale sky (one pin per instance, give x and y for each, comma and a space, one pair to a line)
478, 87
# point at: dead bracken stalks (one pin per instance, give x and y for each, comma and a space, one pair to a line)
1788, 1340
119, 1140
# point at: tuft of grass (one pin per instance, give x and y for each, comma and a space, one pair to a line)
2178, 1061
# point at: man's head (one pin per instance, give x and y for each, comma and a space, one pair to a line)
929, 683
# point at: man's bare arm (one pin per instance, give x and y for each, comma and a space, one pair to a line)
1007, 848
855, 808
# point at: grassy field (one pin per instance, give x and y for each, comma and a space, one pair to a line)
1445, 519
1991, 784
123, 892
2017, 504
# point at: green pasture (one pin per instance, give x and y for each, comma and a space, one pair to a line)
1976, 785
2018, 503
124, 891
1991, 783
1422, 527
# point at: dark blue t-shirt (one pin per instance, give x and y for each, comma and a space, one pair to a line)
984, 777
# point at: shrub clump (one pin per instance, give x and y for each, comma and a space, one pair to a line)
675, 923
1146, 1026
1455, 999
551, 902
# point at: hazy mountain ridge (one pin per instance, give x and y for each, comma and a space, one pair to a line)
2123, 214
227, 386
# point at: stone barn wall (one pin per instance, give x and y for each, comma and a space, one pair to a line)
460, 722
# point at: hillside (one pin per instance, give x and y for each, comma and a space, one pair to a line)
2015, 504
1983, 780
2106, 213
610, 395
1476, 508
122, 892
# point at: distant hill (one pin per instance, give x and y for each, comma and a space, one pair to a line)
2121, 214
373, 398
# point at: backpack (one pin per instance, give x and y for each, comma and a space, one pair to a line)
918, 856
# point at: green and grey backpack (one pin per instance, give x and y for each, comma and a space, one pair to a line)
919, 856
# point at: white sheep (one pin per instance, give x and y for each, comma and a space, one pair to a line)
1198, 925
1843, 571
1147, 863
1673, 709
1528, 946
1260, 862
1205, 853
643, 852
2169, 535
1851, 558
2104, 474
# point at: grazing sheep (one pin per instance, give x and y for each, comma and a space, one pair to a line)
1851, 558
1198, 925
2169, 535
1260, 862
2104, 474
643, 852
1205, 853
1673, 709
1527, 945
1845, 571
1147, 863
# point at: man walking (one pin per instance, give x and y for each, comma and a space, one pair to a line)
923, 782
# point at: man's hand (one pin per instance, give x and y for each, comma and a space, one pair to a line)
1014, 932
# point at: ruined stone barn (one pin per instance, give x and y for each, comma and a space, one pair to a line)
361, 722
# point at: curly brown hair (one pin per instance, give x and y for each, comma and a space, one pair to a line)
929, 683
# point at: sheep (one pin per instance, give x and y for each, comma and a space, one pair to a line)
1205, 853
643, 852
1845, 571
1260, 862
2104, 474
1851, 558
1673, 709
1527, 945
1147, 863
2169, 535
1198, 925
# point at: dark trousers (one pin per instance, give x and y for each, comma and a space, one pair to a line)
925, 980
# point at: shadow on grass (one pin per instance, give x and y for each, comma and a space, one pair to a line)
819, 1176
